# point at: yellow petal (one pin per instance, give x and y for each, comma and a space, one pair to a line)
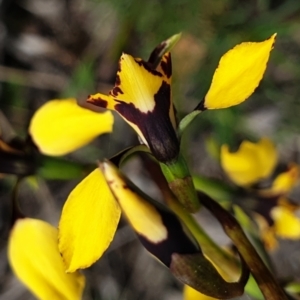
144, 217
286, 222
88, 223
35, 259
239, 72
252, 161
136, 84
191, 294
62, 126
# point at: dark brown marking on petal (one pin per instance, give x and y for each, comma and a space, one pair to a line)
118, 80
166, 65
110, 182
98, 101
201, 105
116, 91
156, 125
155, 55
125, 186
148, 67
177, 240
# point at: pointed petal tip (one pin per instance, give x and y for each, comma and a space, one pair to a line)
245, 65
86, 228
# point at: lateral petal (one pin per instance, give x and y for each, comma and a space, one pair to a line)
239, 72
34, 257
88, 222
62, 126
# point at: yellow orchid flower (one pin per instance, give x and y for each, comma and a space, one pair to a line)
142, 93
142, 96
34, 257
252, 161
61, 126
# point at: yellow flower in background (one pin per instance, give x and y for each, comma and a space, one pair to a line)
142, 97
61, 126
284, 182
284, 223
34, 258
250, 163
286, 219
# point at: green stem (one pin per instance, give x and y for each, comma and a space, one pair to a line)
181, 184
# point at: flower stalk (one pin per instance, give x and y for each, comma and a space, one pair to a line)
267, 283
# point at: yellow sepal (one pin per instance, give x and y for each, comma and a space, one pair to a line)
252, 161
34, 257
239, 72
62, 126
88, 223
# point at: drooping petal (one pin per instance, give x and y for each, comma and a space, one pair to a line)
286, 222
62, 126
239, 72
252, 161
191, 294
35, 259
159, 230
88, 223
142, 96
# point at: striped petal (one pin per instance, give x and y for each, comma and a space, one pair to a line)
142, 96
35, 259
62, 126
252, 161
239, 73
88, 222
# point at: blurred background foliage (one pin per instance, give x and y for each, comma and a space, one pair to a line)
53, 49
